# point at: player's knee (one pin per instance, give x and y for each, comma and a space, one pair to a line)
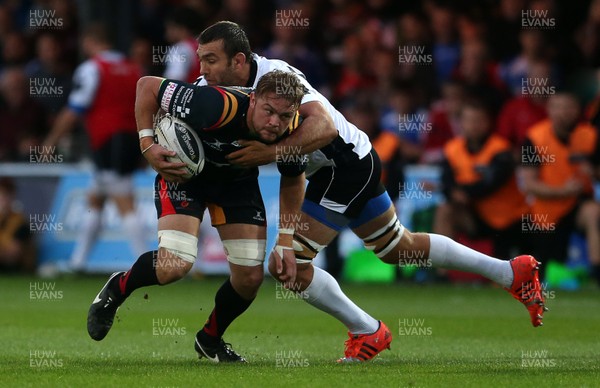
176, 255
272, 269
304, 273
254, 280
166, 275
247, 280
170, 267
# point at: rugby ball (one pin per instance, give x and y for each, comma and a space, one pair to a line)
175, 135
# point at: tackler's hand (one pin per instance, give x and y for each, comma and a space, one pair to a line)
253, 154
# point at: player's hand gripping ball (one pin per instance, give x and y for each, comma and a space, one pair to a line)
175, 135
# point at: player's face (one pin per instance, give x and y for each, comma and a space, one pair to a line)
269, 116
216, 68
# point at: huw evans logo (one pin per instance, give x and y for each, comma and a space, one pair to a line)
167, 327
44, 359
414, 55
537, 359
413, 327
44, 291
537, 87
167, 54
44, 19
537, 19
45, 87
291, 18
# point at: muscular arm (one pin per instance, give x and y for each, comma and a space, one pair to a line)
291, 194
146, 106
316, 131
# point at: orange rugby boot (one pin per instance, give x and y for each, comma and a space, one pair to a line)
363, 347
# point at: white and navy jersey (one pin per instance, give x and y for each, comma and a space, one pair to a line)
351, 144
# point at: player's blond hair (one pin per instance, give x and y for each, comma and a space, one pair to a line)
284, 84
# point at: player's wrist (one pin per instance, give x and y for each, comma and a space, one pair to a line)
146, 143
146, 132
272, 153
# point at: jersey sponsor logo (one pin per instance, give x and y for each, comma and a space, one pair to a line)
182, 99
167, 96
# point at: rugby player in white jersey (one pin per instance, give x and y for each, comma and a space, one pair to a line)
344, 191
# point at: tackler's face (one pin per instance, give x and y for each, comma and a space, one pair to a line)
215, 66
269, 115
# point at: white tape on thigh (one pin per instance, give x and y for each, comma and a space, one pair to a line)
184, 245
245, 252
299, 247
397, 229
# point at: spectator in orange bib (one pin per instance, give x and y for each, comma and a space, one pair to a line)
479, 182
559, 161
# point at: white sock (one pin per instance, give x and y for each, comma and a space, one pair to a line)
325, 294
447, 253
135, 232
89, 233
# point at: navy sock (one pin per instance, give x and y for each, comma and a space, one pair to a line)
141, 274
228, 306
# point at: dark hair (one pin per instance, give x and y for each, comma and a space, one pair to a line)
234, 38
284, 84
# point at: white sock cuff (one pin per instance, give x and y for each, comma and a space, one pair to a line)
318, 283
438, 249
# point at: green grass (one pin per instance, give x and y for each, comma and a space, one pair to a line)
477, 338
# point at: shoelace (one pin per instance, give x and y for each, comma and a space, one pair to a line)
228, 350
352, 346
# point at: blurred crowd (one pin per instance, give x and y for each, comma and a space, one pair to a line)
379, 61
426, 80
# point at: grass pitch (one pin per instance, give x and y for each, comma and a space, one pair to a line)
443, 336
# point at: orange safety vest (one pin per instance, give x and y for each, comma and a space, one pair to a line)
556, 168
501, 208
